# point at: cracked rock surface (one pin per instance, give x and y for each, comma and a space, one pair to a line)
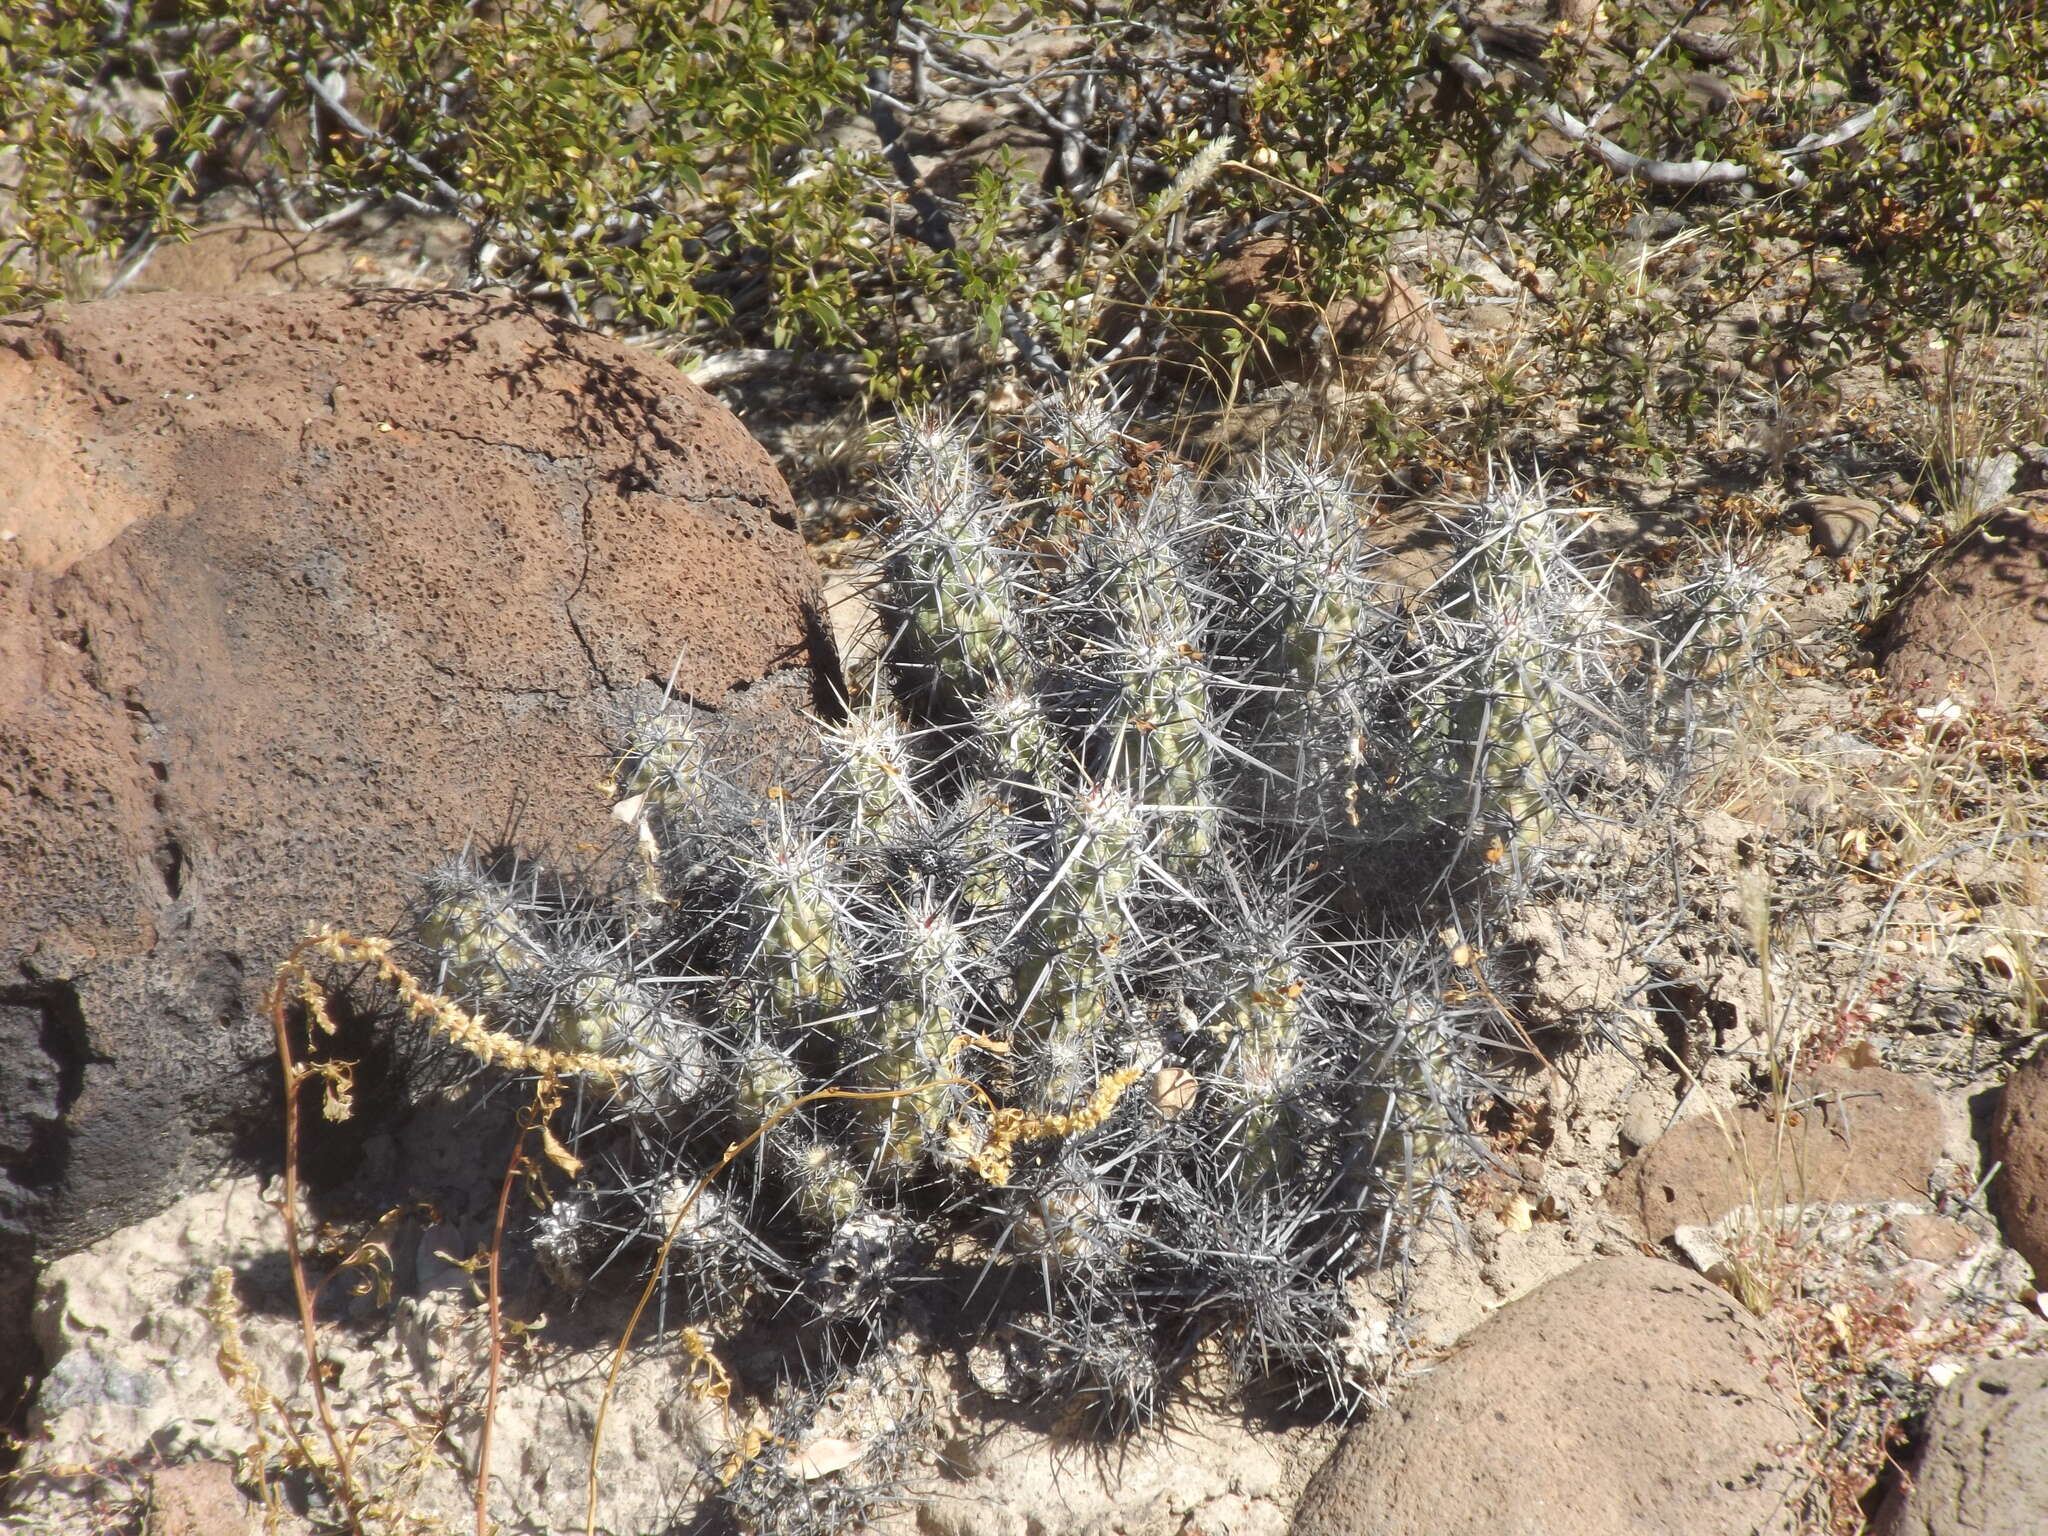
299, 594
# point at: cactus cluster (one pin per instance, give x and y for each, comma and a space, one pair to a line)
1049, 978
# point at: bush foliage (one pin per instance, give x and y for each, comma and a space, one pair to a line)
747, 173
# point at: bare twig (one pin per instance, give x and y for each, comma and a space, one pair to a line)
1677, 173
743, 363
483, 1448
465, 202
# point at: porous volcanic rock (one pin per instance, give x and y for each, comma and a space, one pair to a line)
2019, 1145
1849, 1134
298, 594
1976, 624
1626, 1396
1984, 1468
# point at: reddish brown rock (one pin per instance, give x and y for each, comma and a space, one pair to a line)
1395, 322
1847, 1135
297, 595
382, 250
1628, 1395
2019, 1145
199, 1498
1983, 1466
1976, 625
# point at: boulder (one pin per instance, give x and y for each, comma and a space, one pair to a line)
298, 595
1976, 625
1626, 1396
1849, 1134
383, 250
1984, 1467
2019, 1145
1394, 322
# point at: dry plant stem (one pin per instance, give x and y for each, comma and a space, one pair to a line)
235, 1369
453, 1024
293, 978
1513, 1019
1779, 1060
483, 1447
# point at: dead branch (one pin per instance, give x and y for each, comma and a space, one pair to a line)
1678, 173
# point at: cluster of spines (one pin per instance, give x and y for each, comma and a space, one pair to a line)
1714, 637
956, 588
907, 1053
1074, 946
473, 927
1133, 717
1520, 665
1316, 635
1155, 727
872, 768
798, 938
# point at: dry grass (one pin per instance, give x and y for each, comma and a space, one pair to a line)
1920, 878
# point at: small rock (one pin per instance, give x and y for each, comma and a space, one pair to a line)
856, 630
1976, 625
198, 1499
1647, 1114
1624, 1396
85, 1378
1398, 319
2019, 1143
1979, 484
1840, 524
1931, 1239
1984, 1468
1849, 1134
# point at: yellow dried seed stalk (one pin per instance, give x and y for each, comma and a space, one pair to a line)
714, 1384
751, 1443
455, 1024
1011, 1127
225, 1314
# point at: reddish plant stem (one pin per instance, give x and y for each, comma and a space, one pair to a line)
293, 968
483, 1448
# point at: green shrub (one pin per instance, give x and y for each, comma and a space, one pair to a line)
703, 174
